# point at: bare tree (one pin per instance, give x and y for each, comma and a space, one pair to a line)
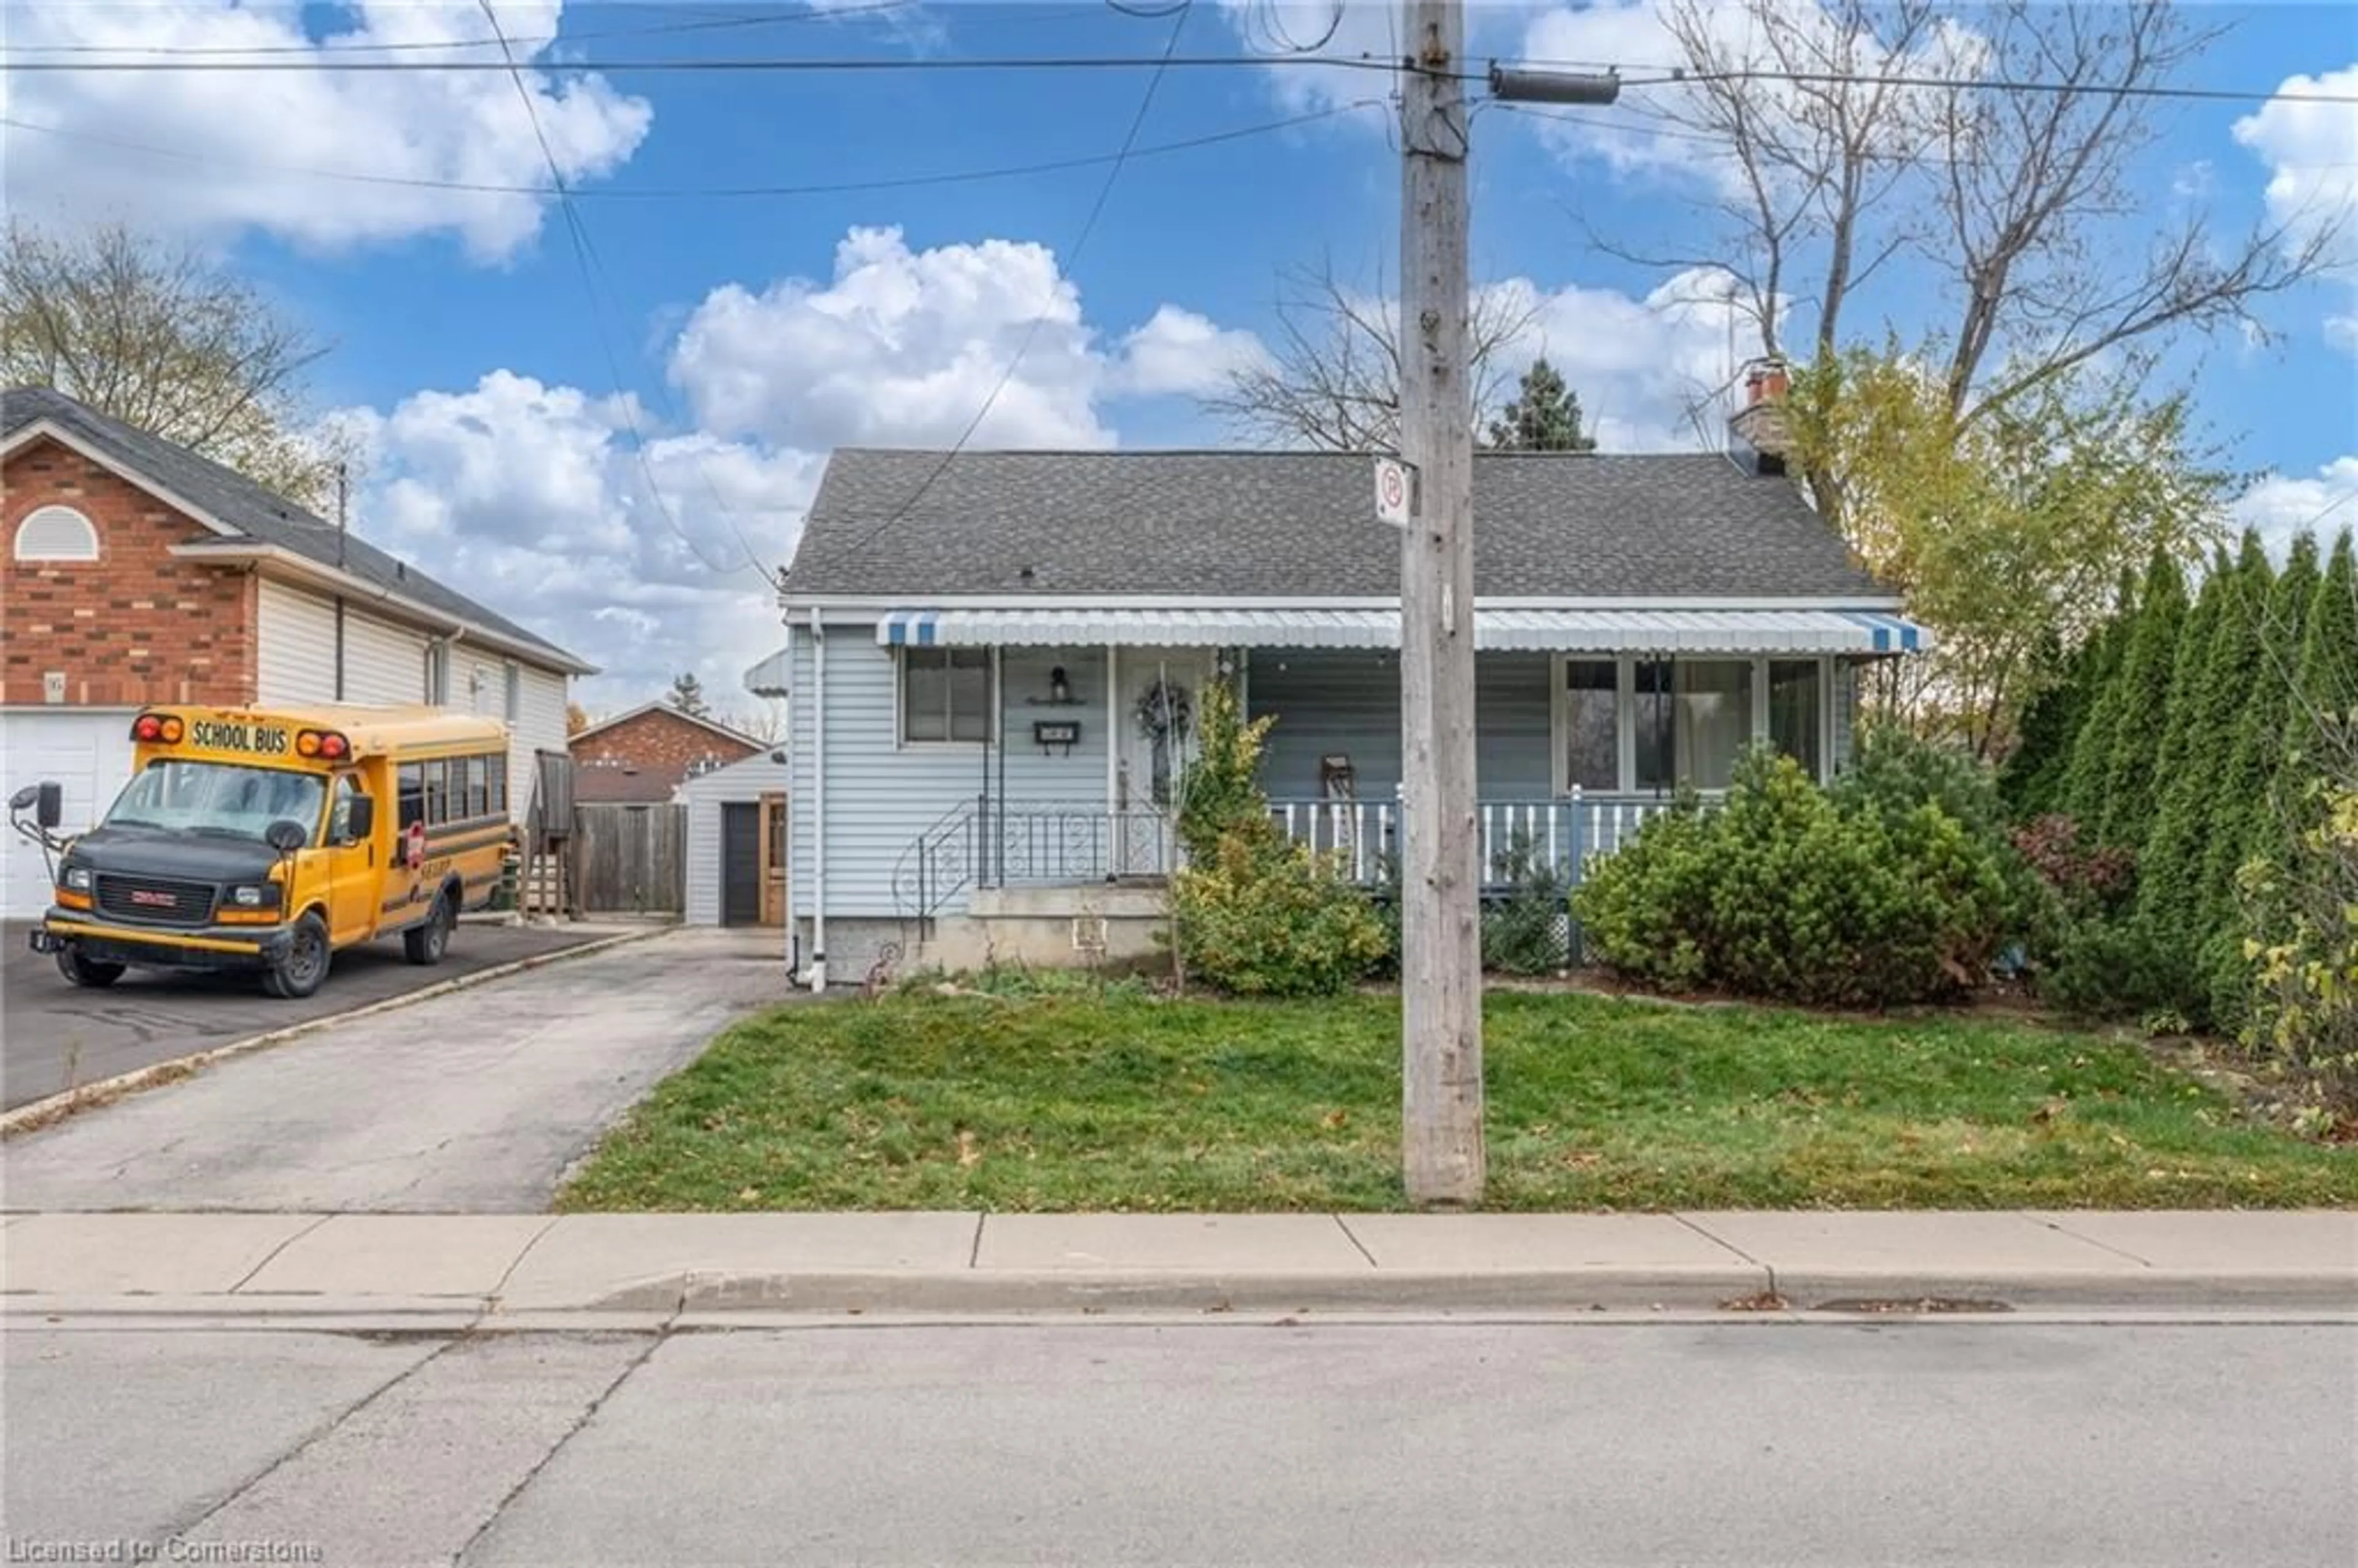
1332, 379
163, 340
1886, 129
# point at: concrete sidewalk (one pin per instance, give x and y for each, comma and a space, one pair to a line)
489, 1268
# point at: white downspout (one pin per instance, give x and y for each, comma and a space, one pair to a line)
817, 972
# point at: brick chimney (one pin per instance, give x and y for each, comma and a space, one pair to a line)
1759, 426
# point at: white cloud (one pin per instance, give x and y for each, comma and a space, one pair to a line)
234, 142
1649, 371
1180, 352
900, 348
2281, 507
2311, 152
2310, 148
533, 497
1639, 135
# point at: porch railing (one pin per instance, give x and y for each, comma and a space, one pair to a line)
1566, 835
997, 844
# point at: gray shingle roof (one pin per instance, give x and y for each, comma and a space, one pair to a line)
231, 499
1303, 525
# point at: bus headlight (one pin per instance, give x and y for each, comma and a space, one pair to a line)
254, 896
75, 879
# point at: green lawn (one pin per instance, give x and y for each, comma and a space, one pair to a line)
1120, 1102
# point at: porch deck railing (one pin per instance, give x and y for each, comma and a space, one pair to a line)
1566, 835
999, 844
986, 843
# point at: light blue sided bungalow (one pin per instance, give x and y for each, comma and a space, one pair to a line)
994, 660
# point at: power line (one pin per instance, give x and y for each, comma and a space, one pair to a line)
419, 45
1081, 244
584, 255
825, 188
1678, 77
747, 64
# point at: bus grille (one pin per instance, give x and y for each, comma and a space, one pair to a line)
156, 899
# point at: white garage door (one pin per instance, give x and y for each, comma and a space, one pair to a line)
87, 753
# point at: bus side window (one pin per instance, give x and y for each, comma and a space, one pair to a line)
498, 785
479, 787
437, 799
412, 794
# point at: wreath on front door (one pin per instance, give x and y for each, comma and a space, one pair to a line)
1164, 711
1164, 715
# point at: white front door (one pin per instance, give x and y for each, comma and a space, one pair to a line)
1160, 692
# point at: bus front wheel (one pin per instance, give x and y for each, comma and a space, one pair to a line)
300, 969
426, 944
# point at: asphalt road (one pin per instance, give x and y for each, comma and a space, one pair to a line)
473, 1102
61, 1037
1631, 1444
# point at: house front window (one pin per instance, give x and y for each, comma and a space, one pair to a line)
1650, 725
1693, 720
1592, 734
947, 695
1796, 711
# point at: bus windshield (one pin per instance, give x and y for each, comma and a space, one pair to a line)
218, 798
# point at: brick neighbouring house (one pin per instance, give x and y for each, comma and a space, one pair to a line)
642, 757
135, 571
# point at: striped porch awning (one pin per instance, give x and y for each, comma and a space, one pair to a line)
1495, 629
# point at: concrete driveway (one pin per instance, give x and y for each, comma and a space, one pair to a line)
61, 1037
473, 1102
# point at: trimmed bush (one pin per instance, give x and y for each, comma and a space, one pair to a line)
1263, 918
1871, 895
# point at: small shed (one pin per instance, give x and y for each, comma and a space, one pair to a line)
736, 841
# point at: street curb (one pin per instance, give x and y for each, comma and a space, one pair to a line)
1732, 1292
702, 1298
41, 1113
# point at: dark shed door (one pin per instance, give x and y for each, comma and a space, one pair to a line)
740, 863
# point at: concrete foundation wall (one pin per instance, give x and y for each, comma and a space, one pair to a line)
1028, 926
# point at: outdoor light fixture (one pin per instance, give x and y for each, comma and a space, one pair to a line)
1058, 691
1523, 86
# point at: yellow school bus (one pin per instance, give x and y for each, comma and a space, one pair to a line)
270, 839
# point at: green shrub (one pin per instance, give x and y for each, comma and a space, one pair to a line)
1261, 917
1221, 793
1787, 890
1523, 934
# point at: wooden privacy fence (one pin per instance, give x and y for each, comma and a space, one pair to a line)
628, 860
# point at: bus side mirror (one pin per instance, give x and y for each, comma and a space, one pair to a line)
285, 836
46, 801
360, 819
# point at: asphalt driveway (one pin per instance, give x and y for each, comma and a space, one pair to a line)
474, 1102
61, 1037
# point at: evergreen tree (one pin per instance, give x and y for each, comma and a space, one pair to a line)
2326, 683
1543, 418
2177, 902
2141, 690
2092, 747
688, 695
2170, 857
2031, 781
2245, 821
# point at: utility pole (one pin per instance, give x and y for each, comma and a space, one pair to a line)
1442, 1158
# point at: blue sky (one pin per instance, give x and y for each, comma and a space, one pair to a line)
751, 333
